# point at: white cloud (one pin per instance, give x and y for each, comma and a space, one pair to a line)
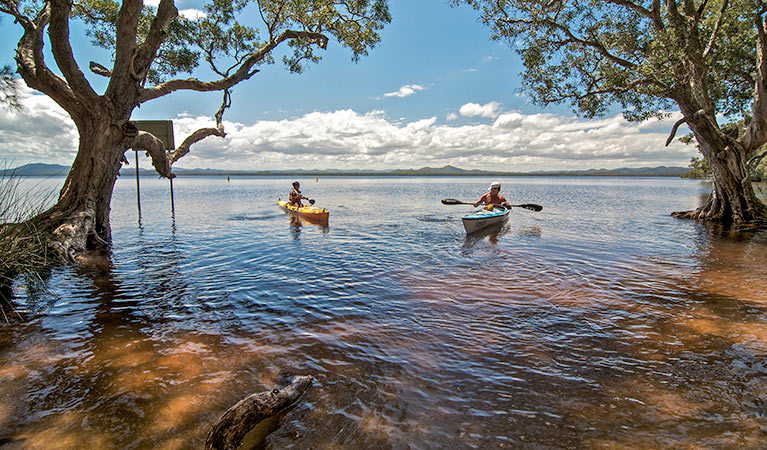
488, 110
41, 132
346, 139
189, 13
405, 91
192, 14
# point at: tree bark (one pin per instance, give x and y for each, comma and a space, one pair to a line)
238, 420
732, 200
80, 218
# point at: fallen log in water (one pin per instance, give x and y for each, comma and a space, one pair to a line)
236, 422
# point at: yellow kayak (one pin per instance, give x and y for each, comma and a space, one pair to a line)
310, 213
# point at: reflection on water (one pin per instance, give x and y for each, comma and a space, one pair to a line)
491, 233
619, 328
297, 222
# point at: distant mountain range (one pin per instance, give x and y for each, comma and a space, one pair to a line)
50, 170
37, 170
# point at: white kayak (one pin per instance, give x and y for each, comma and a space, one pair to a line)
484, 218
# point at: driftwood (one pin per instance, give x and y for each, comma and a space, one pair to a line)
235, 423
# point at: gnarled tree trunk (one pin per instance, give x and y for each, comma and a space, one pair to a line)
732, 200
80, 218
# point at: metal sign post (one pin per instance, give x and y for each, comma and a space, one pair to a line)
163, 130
138, 190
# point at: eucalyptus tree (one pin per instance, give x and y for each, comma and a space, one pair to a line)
704, 57
151, 48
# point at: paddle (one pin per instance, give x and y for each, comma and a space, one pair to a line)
311, 201
530, 206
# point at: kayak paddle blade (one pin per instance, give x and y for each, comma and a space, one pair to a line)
452, 201
530, 206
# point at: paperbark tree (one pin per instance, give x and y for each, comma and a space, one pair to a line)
151, 46
707, 57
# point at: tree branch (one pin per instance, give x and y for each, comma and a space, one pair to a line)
571, 37
194, 138
686, 119
156, 150
31, 64
243, 73
756, 133
715, 31
755, 160
203, 133
674, 129
62, 52
125, 47
166, 12
650, 14
98, 69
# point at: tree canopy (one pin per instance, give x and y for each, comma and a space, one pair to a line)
705, 57
639, 55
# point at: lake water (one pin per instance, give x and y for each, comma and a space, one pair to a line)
599, 322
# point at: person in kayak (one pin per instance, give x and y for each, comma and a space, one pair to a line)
493, 197
295, 195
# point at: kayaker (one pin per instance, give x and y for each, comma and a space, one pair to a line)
295, 195
493, 197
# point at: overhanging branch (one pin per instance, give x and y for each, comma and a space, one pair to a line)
244, 72
156, 150
571, 37
203, 133
674, 129
699, 114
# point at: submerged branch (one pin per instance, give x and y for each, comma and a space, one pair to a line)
236, 422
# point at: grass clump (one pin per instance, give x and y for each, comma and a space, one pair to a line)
23, 249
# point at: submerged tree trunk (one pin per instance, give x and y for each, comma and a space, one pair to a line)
732, 200
80, 218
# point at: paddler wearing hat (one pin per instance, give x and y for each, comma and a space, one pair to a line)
493, 197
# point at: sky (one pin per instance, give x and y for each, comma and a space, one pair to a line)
435, 91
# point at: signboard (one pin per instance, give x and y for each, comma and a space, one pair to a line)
162, 129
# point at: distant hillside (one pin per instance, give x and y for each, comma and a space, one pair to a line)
37, 170
662, 171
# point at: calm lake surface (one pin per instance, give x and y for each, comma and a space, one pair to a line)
599, 322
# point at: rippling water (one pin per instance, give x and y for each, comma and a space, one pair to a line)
600, 322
